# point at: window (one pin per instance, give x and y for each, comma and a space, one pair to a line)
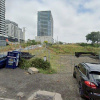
96, 75
82, 69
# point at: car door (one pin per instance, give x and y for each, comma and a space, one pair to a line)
78, 72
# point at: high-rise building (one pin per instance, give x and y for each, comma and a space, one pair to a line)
45, 27
2, 20
45, 23
9, 30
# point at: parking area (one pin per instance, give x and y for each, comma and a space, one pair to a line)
13, 81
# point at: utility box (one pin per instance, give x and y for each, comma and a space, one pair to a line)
12, 59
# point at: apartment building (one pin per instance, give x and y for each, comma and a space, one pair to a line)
11, 29
3, 36
14, 33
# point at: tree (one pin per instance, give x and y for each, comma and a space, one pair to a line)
60, 42
94, 37
31, 42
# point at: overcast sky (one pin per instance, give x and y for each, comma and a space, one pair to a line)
73, 19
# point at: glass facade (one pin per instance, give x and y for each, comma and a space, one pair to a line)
45, 24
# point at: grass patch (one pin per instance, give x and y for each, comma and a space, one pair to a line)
49, 71
72, 48
9, 48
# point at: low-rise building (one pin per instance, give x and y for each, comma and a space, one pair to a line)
42, 39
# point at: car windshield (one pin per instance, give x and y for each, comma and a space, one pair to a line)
96, 75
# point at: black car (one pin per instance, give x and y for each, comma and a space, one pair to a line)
88, 77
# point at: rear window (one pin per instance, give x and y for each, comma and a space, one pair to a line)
96, 75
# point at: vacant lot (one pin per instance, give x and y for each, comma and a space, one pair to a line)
14, 81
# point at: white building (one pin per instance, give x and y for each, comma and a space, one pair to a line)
15, 34
41, 39
20, 35
11, 29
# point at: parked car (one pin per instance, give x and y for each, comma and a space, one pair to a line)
88, 77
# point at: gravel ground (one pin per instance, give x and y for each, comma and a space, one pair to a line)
44, 98
13, 81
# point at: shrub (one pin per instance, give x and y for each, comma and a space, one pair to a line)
60, 42
45, 42
43, 66
40, 63
90, 45
37, 63
83, 44
24, 64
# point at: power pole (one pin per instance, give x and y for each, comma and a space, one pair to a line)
24, 30
57, 39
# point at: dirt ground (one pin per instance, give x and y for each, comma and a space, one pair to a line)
13, 81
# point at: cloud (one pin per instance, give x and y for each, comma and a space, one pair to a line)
72, 20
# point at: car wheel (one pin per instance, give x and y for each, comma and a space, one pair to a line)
81, 91
74, 74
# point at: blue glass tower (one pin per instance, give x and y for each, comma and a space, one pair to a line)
45, 24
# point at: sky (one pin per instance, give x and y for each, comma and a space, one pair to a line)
73, 19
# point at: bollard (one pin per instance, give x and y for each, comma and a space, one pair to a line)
45, 58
